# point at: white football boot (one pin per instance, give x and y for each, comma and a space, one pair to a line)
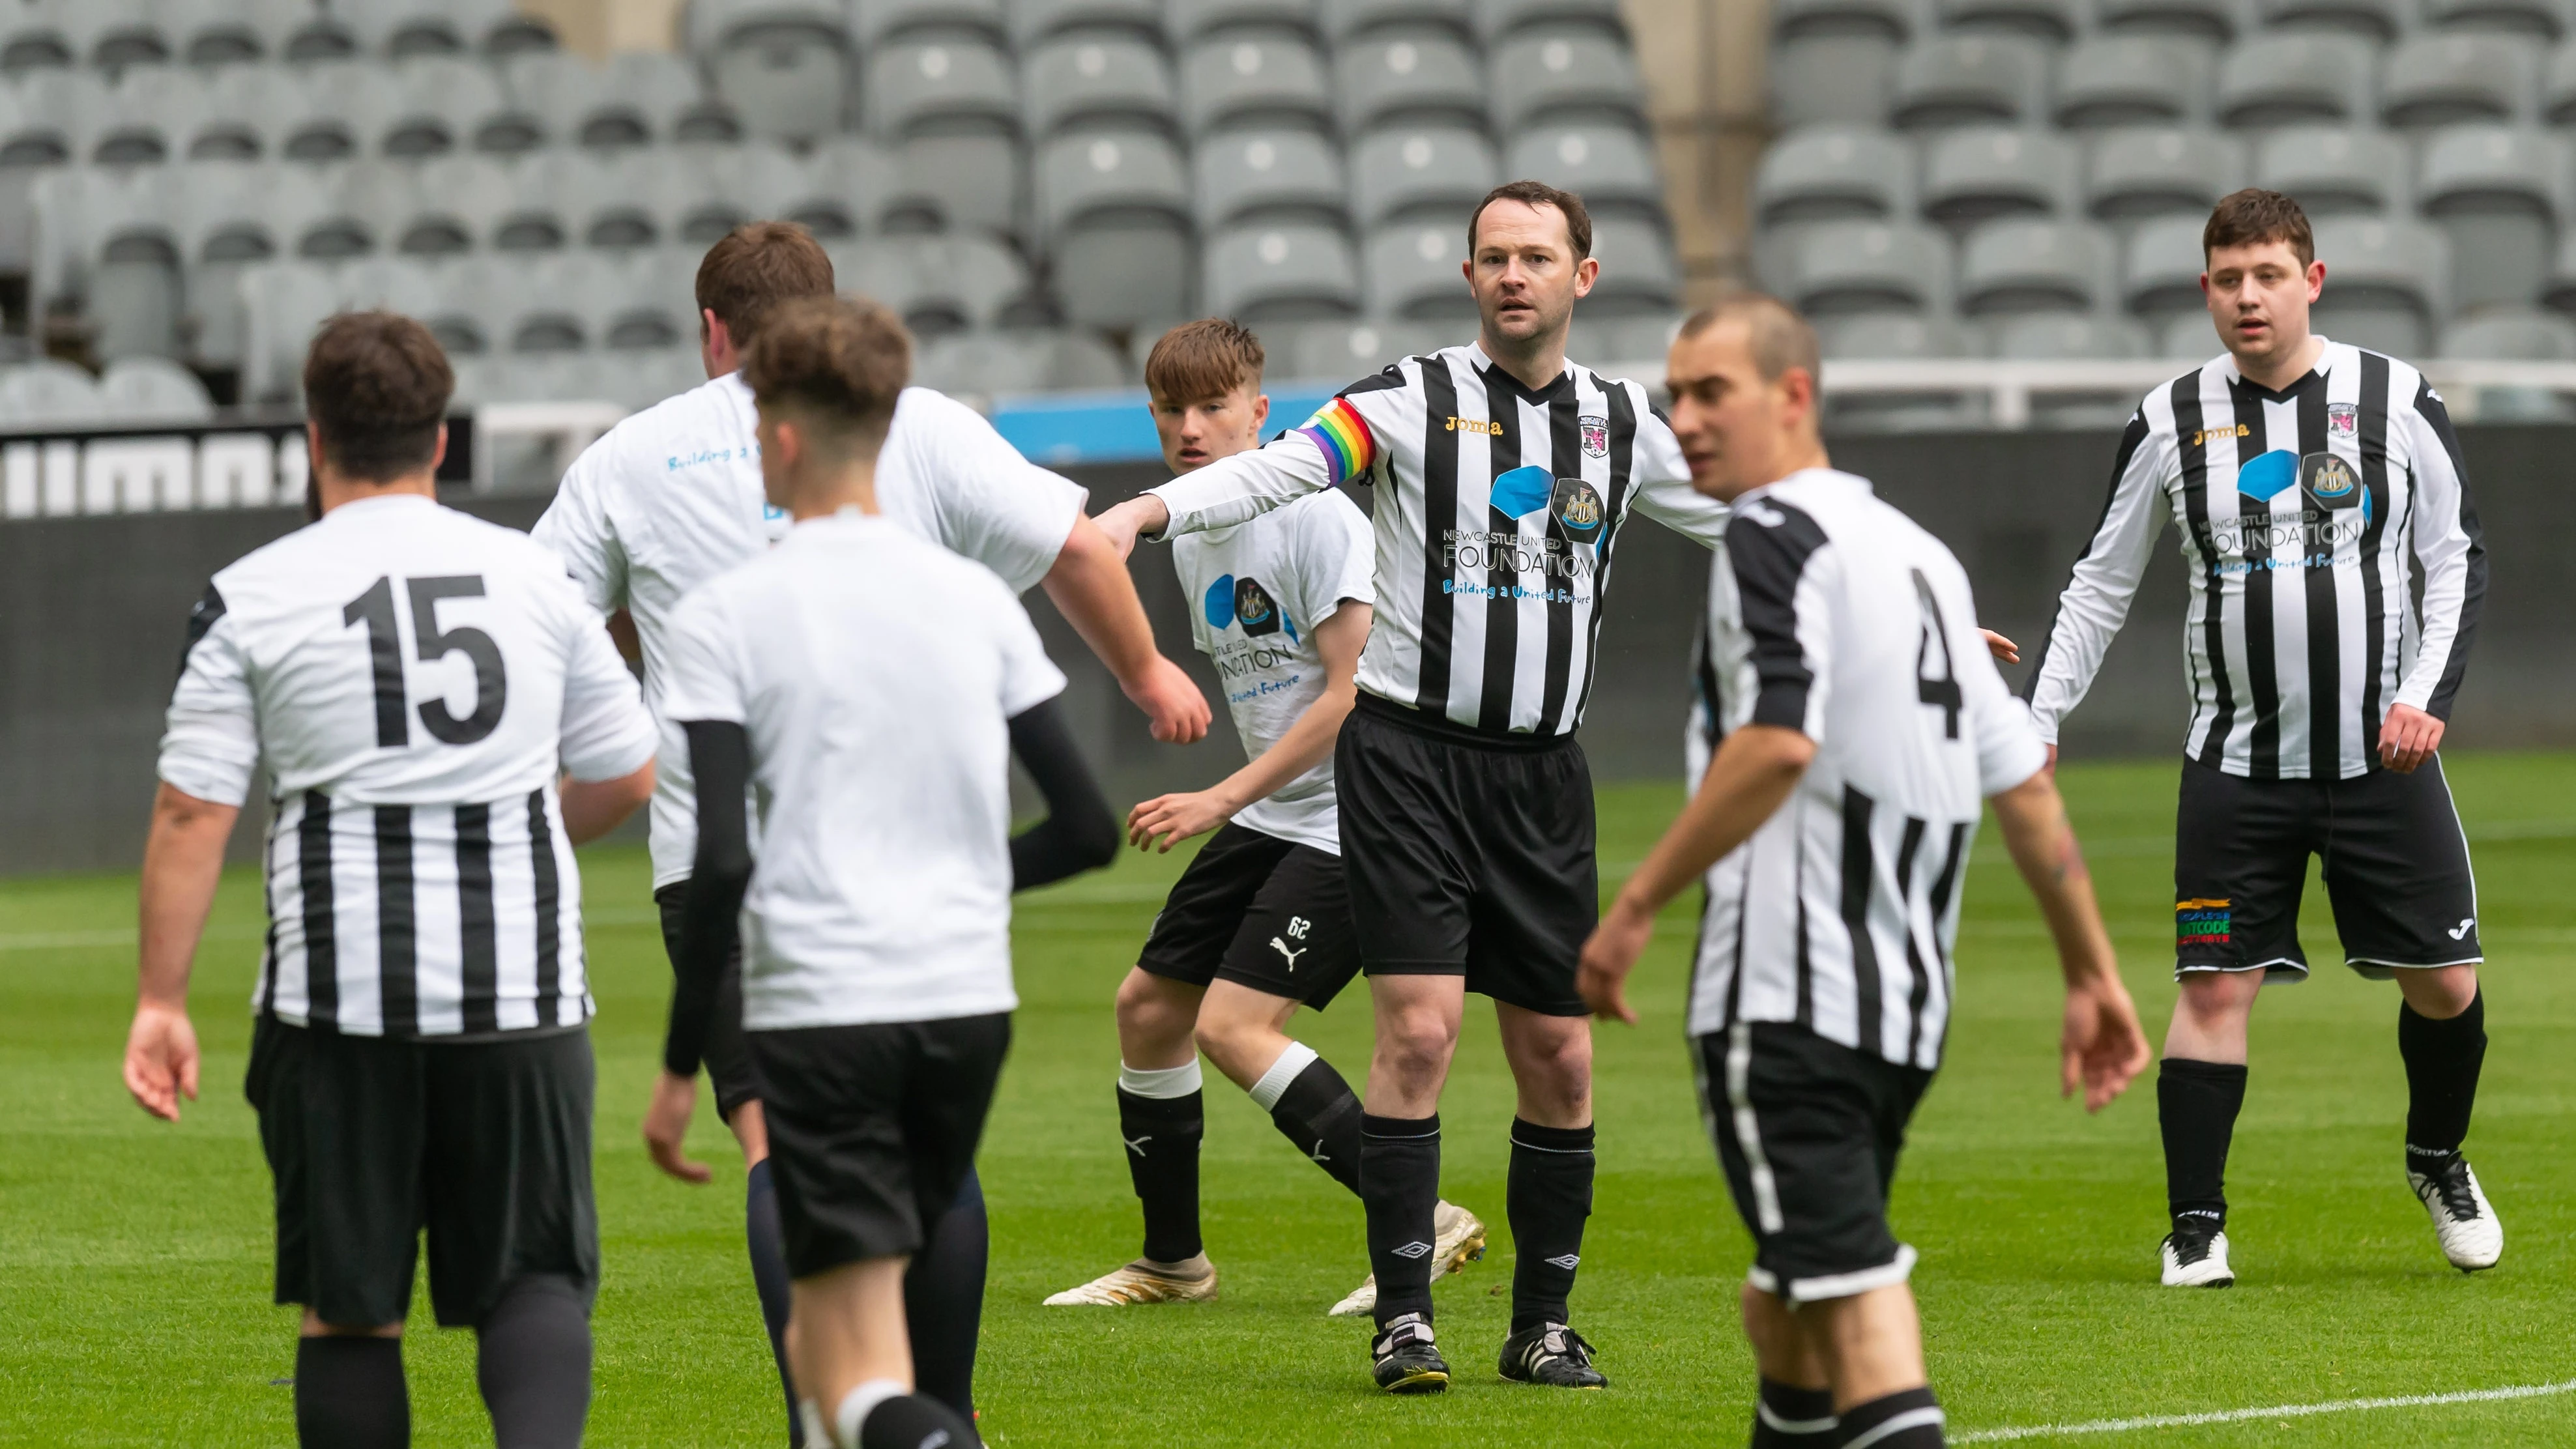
1458, 1239
1142, 1282
2462, 1220
2197, 1260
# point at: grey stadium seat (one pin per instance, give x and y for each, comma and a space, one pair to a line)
231, 125
1639, 273
1415, 76
880, 269
1977, 173
1191, 21
2187, 335
1497, 19
2067, 337
1410, 270
1345, 20
1253, 80
1833, 62
1618, 340
2444, 80
965, 282
2214, 21
1426, 172
1114, 212
1269, 175
397, 29
640, 98
2558, 85
229, 219
1565, 76
2386, 281
145, 116
2561, 291
784, 65
283, 302
950, 111
1340, 351
706, 191
48, 117
1033, 21
2519, 336
2333, 171
2531, 20
39, 36
2050, 22
2143, 173
1892, 335
225, 32
879, 22
1834, 173
1967, 80
1849, 267
2134, 80
2010, 267
444, 103
986, 364
2289, 80
2498, 194
550, 192
116, 37
615, 200
2376, 21
1095, 78
1286, 273
1611, 167
2160, 267
328, 112
49, 394
456, 202
846, 186
153, 390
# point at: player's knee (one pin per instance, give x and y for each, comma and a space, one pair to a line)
1146, 1009
1416, 1045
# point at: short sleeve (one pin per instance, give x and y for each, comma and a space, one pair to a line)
210, 745
1336, 560
1783, 568
994, 506
1028, 677
1664, 491
607, 732
706, 681
576, 528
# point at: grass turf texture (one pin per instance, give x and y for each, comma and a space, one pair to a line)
134, 1257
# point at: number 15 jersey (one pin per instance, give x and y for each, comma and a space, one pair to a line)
414, 678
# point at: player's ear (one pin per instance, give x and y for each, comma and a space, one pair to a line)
1586, 272
2316, 280
438, 450
1260, 412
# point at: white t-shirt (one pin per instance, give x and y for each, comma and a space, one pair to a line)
875, 674
1256, 591
671, 497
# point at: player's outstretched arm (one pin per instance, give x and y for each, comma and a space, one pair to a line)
182, 861
2103, 1048
1755, 769
710, 917
1093, 590
1079, 832
1166, 820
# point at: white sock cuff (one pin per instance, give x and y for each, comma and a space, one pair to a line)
1274, 1082
857, 1404
1162, 1083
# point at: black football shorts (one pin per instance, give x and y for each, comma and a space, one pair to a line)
2395, 863
1261, 912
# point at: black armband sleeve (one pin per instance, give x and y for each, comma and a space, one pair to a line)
1078, 833
710, 910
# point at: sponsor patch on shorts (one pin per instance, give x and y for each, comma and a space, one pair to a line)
2202, 923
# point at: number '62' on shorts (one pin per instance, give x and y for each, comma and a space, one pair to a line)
1261, 912
2396, 869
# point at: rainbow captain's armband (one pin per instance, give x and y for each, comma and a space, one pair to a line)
1349, 448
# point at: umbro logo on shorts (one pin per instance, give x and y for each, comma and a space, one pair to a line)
1566, 1262
1413, 1250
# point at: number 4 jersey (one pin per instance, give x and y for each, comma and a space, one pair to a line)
1833, 614
414, 679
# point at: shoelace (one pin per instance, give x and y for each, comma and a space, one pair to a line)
2452, 1183
1557, 1342
2190, 1248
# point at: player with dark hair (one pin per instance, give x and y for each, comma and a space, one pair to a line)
1855, 729
874, 687
672, 497
414, 680
1260, 923
2336, 577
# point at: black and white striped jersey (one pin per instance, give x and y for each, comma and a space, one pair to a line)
1837, 616
414, 679
2304, 516
1496, 511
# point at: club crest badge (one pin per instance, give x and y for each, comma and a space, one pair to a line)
2329, 480
1254, 609
1596, 435
1578, 510
2343, 420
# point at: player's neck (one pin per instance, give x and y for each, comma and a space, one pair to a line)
2278, 370
335, 491
850, 485
1799, 455
1535, 361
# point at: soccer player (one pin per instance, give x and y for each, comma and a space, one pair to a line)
2309, 480
1860, 725
672, 497
873, 686
1504, 475
1261, 921
415, 681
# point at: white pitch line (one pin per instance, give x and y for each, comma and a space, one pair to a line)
2285, 1411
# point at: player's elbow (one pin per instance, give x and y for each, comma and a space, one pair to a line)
592, 808
1091, 838
1773, 750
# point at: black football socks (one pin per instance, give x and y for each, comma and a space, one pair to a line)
2196, 1105
900, 1421
1548, 1195
766, 1239
2442, 1062
1400, 1185
1314, 1109
1788, 1417
1907, 1420
1163, 1135
532, 1361
349, 1394
943, 1299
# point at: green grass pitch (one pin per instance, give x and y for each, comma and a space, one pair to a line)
134, 1257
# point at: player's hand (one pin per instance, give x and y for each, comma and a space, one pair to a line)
2004, 650
161, 1059
666, 1124
2103, 1048
1610, 955
1176, 818
1175, 710
2407, 738
1121, 525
